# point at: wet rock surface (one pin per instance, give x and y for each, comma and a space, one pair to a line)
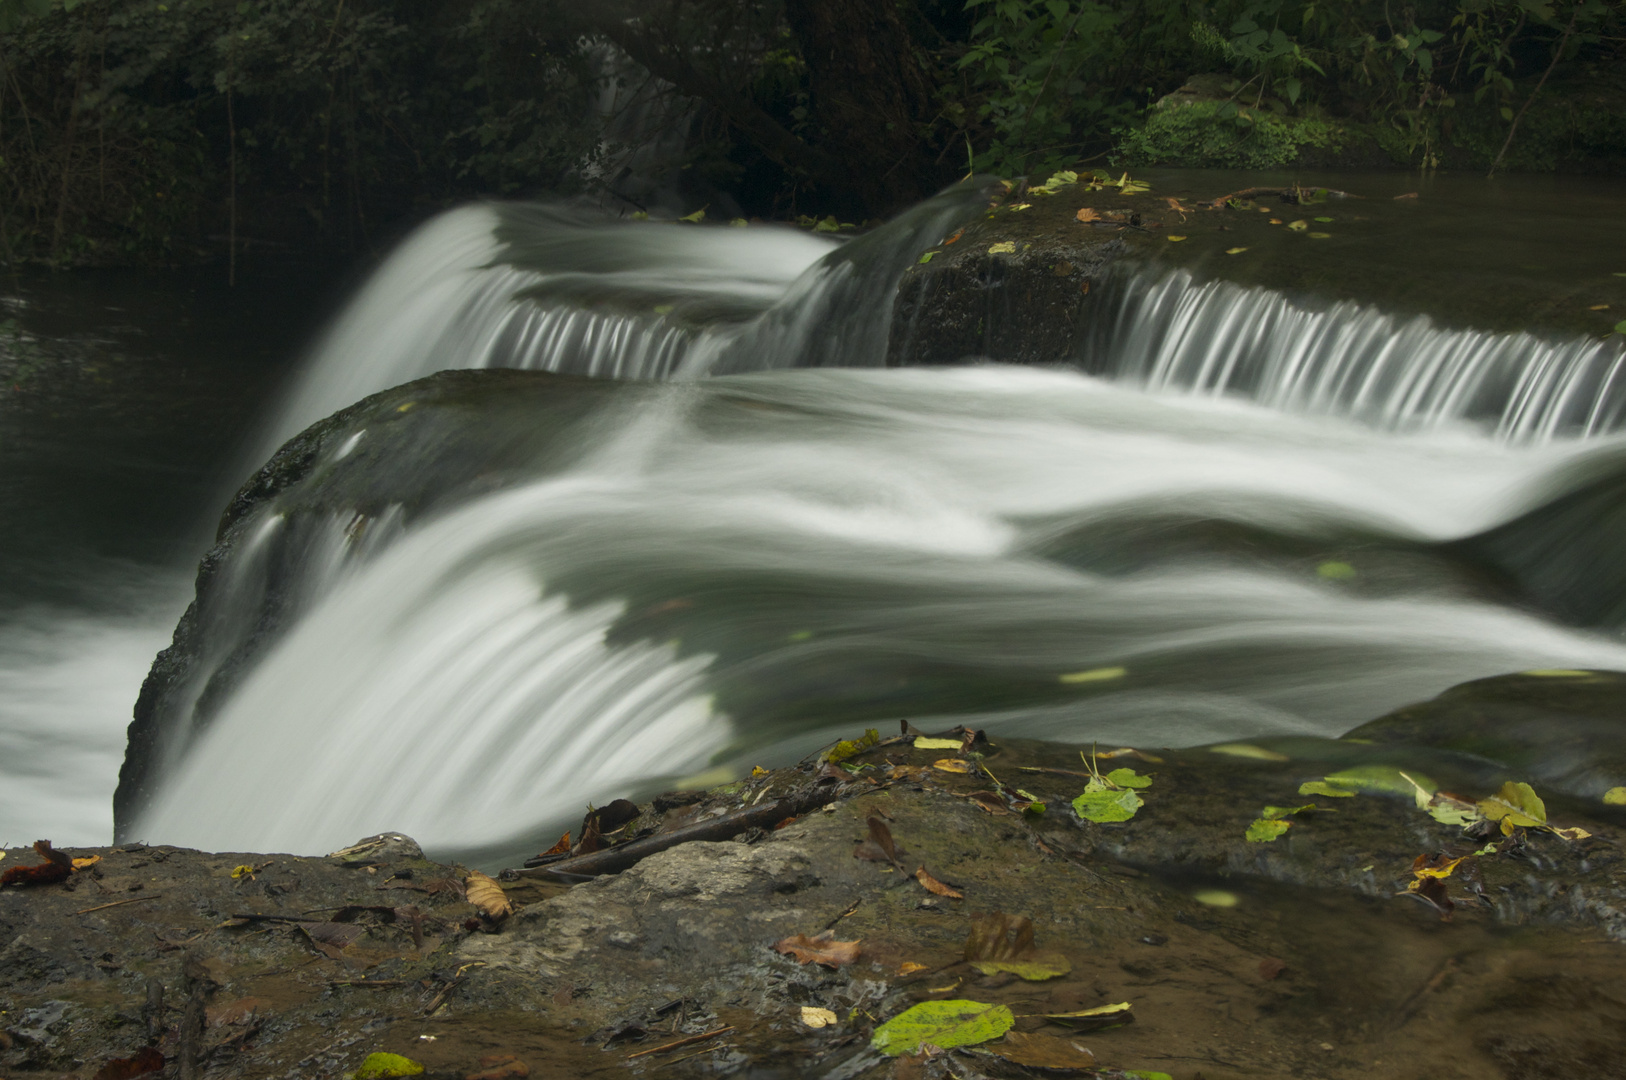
1293, 958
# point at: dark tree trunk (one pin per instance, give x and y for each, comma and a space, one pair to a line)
872, 98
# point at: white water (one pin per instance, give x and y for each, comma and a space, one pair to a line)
1349, 359
837, 535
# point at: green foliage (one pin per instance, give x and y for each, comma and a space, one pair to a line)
1199, 136
944, 1024
127, 121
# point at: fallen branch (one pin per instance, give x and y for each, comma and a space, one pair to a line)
615, 859
119, 903
682, 1042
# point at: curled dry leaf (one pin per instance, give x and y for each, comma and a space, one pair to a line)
815, 1017
1086, 214
485, 894
1098, 1017
820, 949
85, 864
909, 967
934, 886
560, 848
952, 765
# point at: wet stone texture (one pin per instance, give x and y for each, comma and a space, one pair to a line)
1286, 959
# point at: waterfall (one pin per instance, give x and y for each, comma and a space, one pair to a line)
1170, 332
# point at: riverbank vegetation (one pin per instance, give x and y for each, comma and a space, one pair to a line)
153, 131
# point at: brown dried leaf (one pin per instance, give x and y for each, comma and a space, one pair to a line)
561, 848
934, 886
909, 967
340, 935
484, 893
500, 1067
1086, 214
1039, 1051
85, 864
820, 949
991, 802
1270, 967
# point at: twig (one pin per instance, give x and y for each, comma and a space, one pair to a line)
118, 903
1514, 126
682, 1042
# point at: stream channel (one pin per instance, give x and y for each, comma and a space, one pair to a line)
1252, 500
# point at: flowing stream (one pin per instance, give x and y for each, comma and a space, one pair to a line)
1237, 514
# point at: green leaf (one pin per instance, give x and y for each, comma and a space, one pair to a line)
1324, 220
1100, 674
1385, 778
945, 1024
1247, 750
1321, 787
1105, 806
1335, 571
1518, 803
1265, 830
1033, 969
695, 218
1620, 327
1129, 778
1615, 796
1148, 1075
926, 258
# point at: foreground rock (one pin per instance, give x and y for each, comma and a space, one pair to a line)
1292, 958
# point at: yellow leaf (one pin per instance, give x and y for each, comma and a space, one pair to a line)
1442, 871
1100, 674
815, 1017
1275, 221
1615, 796
1299, 226
1572, 834
1085, 1014
1515, 804
82, 864
926, 742
1216, 898
909, 967
695, 218
484, 893
1235, 250
242, 871
1246, 750
1175, 239
1007, 247
953, 765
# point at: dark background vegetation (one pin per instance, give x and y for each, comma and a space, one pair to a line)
139, 131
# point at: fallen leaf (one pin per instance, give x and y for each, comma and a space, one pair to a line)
1432, 891
880, 847
1266, 830
943, 1024
1615, 796
1086, 214
815, 1017
1216, 898
1032, 969
1235, 250
1098, 1017
820, 949
1107, 805
1100, 674
1320, 235
240, 872
1005, 247
146, 1060
1247, 750
1516, 803
1324, 220
1447, 809
694, 219
952, 765
957, 234
1040, 1051
56, 867
484, 893
1620, 327
1129, 778
560, 848
1299, 226
1129, 751
335, 934
1270, 967
1571, 834
1599, 307
930, 742
909, 967
1173, 203
1021, 206
85, 864
934, 886
991, 802
1321, 787
1386, 778
926, 258
1174, 239
1407, 195
610, 818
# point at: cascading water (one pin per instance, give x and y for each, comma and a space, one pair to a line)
1218, 338
733, 569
